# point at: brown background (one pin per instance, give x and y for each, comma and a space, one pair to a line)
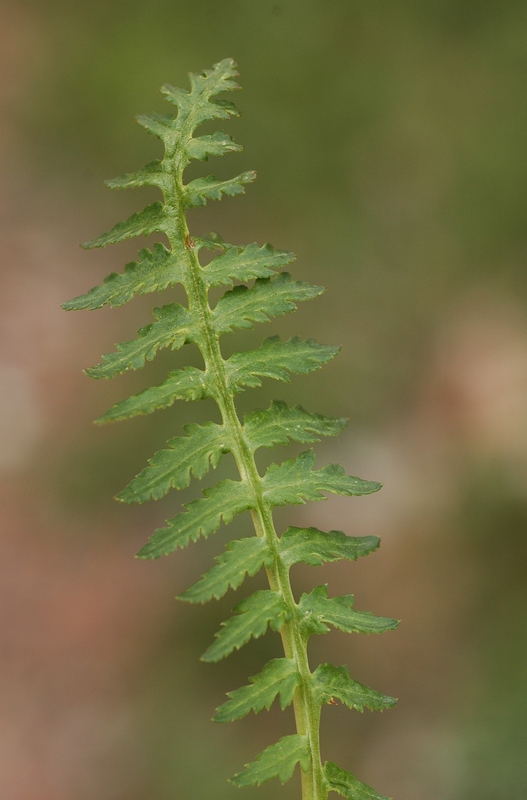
390, 142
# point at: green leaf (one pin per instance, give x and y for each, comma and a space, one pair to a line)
150, 219
164, 126
152, 174
215, 144
311, 546
174, 326
317, 609
276, 359
330, 682
347, 785
241, 557
195, 106
189, 383
279, 423
171, 469
294, 481
245, 264
277, 761
252, 616
278, 677
241, 306
152, 273
201, 518
198, 191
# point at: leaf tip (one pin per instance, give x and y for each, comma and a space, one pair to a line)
90, 372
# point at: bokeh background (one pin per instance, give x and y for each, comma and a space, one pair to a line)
391, 144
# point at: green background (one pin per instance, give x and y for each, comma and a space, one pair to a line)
390, 141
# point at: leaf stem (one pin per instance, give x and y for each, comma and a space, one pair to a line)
306, 705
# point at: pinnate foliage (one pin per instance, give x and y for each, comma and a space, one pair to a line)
279, 677
277, 761
257, 291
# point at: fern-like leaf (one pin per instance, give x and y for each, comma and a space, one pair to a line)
151, 174
150, 219
277, 761
245, 264
318, 611
200, 190
241, 307
154, 272
215, 144
276, 359
174, 327
201, 518
311, 546
257, 291
241, 557
189, 383
195, 453
164, 126
278, 424
279, 678
335, 682
294, 481
345, 784
252, 616
196, 104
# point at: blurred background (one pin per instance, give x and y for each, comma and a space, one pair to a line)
391, 145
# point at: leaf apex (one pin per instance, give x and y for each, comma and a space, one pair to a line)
120, 498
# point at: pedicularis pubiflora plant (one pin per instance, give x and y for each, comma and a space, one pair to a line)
271, 293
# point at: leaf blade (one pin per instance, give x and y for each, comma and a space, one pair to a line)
150, 219
187, 384
215, 144
151, 174
197, 192
347, 785
241, 307
153, 272
318, 611
314, 547
195, 106
194, 454
278, 424
276, 359
201, 517
330, 681
174, 327
252, 616
294, 481
278, 678
163, 126
277, 761
245, 264
241, 557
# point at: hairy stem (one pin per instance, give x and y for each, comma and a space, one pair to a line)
306, 706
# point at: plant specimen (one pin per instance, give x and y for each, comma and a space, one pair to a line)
270, 293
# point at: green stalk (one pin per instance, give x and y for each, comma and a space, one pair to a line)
272, 294
306, 706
